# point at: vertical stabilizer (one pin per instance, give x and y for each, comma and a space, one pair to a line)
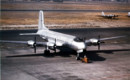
41, 25
103, 14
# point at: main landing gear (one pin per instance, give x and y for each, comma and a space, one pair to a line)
47, 51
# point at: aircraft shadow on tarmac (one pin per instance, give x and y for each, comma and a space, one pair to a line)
92, 55
117, 18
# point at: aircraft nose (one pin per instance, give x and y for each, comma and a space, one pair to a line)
82, 46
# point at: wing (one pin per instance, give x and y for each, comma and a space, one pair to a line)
100, 40
109, 38
7, 41
31, 42
29, 34
22, 42
108, 51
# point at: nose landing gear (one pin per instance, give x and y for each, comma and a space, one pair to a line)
78, 56
83, 57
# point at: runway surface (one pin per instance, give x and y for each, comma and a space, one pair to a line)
112, 62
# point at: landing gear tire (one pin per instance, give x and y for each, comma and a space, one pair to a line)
77, 58
46, 52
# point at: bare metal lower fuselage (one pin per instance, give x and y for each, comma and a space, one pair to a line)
61, 39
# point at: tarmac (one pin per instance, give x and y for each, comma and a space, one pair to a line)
112, 62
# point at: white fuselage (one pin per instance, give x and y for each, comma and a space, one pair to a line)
61, 39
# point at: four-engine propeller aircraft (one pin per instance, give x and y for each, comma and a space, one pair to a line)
110, 16
56, 39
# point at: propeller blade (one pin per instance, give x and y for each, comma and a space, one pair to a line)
34, 49
35, 39
99, 42
99, 46
99, 38
35, 44
84, 39
55, 46
55, 50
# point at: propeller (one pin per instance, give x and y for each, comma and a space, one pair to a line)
99, 42
35, 44
55, 46
84, 38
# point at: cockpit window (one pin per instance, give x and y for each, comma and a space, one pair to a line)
77, 39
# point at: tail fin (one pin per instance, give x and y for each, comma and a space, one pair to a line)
103, 14
129, 14
41, 25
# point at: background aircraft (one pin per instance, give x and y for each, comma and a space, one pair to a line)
55, 39
128, 14
110, 16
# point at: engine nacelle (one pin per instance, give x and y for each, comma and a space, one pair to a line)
30, 43
94, 41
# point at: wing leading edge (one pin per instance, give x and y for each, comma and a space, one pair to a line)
21, 42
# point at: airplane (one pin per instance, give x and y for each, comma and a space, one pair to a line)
110, 16
57, 39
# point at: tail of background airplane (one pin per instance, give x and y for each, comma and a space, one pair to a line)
103, 14
129, 14
41, 25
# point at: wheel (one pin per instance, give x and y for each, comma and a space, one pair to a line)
77, 58
47, 52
